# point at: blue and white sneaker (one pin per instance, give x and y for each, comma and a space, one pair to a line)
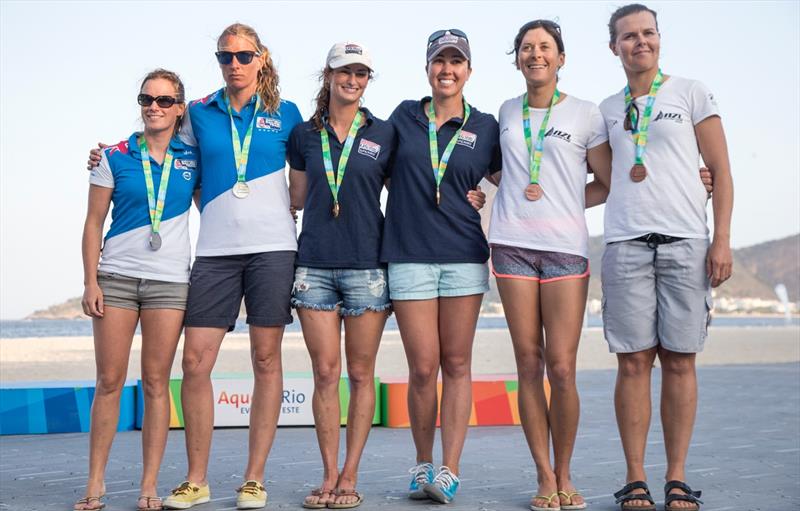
444, 486
421, 475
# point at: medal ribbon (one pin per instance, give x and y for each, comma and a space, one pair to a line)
156, 205
439, 167
241, 152
640, 126
535, 152
335, 182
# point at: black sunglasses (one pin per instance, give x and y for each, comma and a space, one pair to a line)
162, 101
547, 23
631, 111
440, 33
244, 57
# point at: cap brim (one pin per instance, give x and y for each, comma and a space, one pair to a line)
347, 60
443, 47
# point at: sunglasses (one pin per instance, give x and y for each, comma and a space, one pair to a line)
440, 33
547, 23
161, 101
631, 112
244, 57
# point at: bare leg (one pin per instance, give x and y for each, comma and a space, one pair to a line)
563, 305
113, 335
322, 333
633, 408
419, 329
200, 350
161, 330
265, 346
678, 410
521, 305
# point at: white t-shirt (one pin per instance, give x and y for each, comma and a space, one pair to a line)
671, 200
556, 222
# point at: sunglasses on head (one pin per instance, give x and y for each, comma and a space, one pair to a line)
244, 57
631, 117
162, 101
548, 23
439, 33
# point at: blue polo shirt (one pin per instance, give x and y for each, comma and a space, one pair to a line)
353, 240
417, 230
261, 222
126, 250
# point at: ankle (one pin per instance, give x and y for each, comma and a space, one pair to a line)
546, 477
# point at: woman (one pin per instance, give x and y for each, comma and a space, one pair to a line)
437, 253
540, 248
339, 276
142, 275
658, 266
246, 247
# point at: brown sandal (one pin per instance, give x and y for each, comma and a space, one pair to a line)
317, 492
347, 493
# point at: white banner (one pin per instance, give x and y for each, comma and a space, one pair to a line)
232, 399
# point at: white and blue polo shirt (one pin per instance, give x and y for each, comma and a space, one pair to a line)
126, 250
261, 222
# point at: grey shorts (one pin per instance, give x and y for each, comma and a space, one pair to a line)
659, 296
136, 294
218, 283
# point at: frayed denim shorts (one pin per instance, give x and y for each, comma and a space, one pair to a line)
351, 292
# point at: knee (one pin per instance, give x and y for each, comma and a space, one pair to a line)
360, 375
530, 368
634, 365
423, 374
109, 383
267, 364
193, 367
561, 375
155, 387
456, 366
326, 375
678, 364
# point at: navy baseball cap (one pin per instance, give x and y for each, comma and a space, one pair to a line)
451, 38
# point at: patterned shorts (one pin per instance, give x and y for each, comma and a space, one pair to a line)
540, 265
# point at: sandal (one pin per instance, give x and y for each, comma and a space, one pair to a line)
346, 493
688, 496
150, 503
86, 502
626, 495
317, 492
549, 501
568, 495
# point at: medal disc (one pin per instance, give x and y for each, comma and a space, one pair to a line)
638, 173
241, 190
533, 192
335, 210
154, 241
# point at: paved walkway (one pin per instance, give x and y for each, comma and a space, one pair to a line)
745, 455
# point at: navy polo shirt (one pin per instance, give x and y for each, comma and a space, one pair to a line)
353, 239
417, 230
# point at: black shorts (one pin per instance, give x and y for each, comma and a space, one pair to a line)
218, 283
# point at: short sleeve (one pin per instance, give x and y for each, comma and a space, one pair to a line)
598, 133
291, 114
186, 133
702, 102
295, 151
102, 174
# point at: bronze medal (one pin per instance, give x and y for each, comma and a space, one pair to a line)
638, 173
335, 209
533, 192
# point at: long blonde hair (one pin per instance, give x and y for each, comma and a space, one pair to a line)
267, 87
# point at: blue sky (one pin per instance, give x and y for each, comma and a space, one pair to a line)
69, 75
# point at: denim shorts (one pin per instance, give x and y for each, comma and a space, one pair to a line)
423, 281
351, 292
539, 265
135, 294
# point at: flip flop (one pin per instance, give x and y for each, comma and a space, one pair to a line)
346, 493
85, 502
549, 501
317, 492
568, 496
148, 503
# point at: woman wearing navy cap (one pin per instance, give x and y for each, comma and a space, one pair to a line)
339, 162
437, 253
141, 273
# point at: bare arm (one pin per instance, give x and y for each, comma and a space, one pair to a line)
298, 186
99, 202
599, 160
714, 149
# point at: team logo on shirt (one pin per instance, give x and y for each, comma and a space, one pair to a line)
187, 175
563, 135
368, 148
268, 123
185, 164
667, 116
467, 139
121, 147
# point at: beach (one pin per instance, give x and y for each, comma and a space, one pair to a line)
72, 358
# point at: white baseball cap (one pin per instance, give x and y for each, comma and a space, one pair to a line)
346, 53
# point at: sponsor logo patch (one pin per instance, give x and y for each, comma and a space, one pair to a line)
667, 116
185, 164
448, 39
352, 48
368, 148
467, 139
268, 123
187, 175
563, 135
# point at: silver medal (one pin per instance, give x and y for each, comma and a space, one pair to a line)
241, 190
154, 241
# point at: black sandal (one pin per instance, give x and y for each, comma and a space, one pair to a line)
626, 495
688, 496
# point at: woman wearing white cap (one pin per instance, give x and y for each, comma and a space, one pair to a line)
339, 162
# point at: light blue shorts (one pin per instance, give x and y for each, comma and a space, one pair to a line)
350, 291
421, 281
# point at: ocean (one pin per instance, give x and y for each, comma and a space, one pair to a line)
18, 329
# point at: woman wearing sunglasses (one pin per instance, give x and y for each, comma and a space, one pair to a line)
437, 254
141, 273
658, 267
339, 162
540, 247
246, 247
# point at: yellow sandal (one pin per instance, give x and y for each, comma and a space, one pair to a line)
568, 496
549, 501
